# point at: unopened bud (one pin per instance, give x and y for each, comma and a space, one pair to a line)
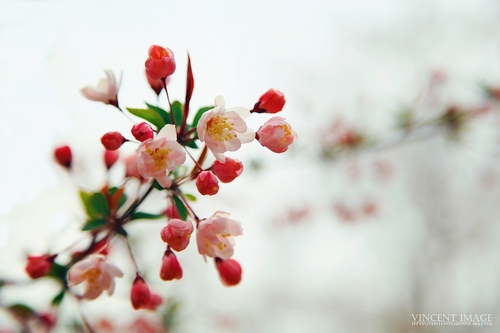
140, 294
229, 271
142, 131
38, 266
112, 140
110, 158
207, 183
63, 156
227, 171
170, 268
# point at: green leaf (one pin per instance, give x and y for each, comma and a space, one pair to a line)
177, 110
99, 203
150, 115
146, 216
94, 224
58, 298
123, 197
157, 185
21, 309
180, 208
199, 114
87, 204
191, 144
190, 197
163, 113
58, 271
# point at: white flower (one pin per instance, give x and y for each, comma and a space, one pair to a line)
224, 129
106, 90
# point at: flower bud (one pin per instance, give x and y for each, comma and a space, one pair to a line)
172, 213
38, 266
161, 62
177, 234
207, 183
132, 168
48, 320
170, 268
156, 84
110, 158
229, 271
276, 135
227, 171
140, 294
154, 301
112, 140
142, 131
63, 156
271, 102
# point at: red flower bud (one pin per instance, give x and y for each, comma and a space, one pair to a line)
154, 301
271, 102
177, 234
112, 140
142, 131
207, 183
229, 271
38, 266
110, 158
161, 62
140, 294
172, 213
48, 320
227, 171
156, 84
63, 156
170, 268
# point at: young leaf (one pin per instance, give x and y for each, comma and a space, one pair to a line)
189, 87
87, 204
191, 144
150, 115
58, 271
199, 114
94, 224
99, 204
177, 110
113, 193
180, 208
146, 216
163, 113
58, 298
190, 197
21, 310
157, 185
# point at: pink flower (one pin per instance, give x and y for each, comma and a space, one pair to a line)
106, 90
276, 135
38, 266
131, 167
229, 271
271, 102
227, 171
207, 183
215, 236
139, 293
142, 131
177, 233
155, 301
97, 274
160, 63
170, 268
224, 129
160, 155
63, 156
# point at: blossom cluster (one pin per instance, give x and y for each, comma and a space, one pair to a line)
166, 141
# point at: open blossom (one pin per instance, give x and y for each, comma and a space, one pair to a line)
177, 234
97, 274
276, 135
160, 63
215, 236
106, 90
131, 167
224, 129
160, 155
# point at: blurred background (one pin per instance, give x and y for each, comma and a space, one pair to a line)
334, 241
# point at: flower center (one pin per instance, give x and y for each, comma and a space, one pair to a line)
159, 156
92, 275
219, 129
287, 133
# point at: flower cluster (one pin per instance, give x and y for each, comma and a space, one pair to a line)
166, 144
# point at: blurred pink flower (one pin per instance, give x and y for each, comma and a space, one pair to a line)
160, 155
106, 90
97, 274
224, 129
215, 236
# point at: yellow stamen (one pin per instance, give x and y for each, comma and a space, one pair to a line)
287, 131
92, 275
159, 156
219, 129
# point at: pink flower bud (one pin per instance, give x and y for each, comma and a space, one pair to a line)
156, 84
276, 135
207, 183
112, 140
229, 271
140, 294
132, 168
38, 266
110, 158
154, 301
63, 156
177, 234
48, 320
227, 171
170, 268
271, 102
161, 62
171, 212
142, 131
